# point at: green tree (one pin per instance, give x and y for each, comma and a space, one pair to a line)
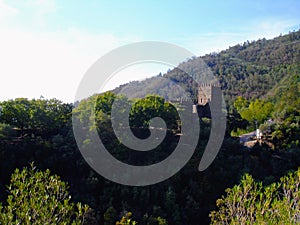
105, 101
17, 113
110, 216
171, 206
241, 103
153, 106
48, 117
37, 197
126, 220
6, 131
252, 203
42, 117
255, 111
156, 221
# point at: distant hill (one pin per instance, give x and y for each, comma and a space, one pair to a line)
252, 69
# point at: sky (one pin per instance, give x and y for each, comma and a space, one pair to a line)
46, 46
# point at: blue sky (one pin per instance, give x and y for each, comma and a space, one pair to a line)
47, 45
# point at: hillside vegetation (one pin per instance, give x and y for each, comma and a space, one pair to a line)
260, 82
252, 70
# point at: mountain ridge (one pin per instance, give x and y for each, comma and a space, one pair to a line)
251, 70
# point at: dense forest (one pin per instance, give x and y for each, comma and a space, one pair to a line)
45, 180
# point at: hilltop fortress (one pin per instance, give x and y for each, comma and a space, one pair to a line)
209, 99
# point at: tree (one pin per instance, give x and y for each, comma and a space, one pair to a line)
42, 117
126, 220
241, 103
37, 197
255, 111
153, 106
48, 117
105, 101
6, 131
252, 203
17, 113
156, 221
110, 216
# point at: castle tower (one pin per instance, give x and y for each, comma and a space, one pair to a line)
209, 100
204, 94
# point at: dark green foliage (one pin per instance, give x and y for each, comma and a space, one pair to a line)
126, 220
36, 197
252, 203
250, 70
156, 221
261, 72
6, 131
110, 216
104, 102
286, 96
153, 106
281, 105
36, 117
255, 111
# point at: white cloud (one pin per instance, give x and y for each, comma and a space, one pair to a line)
7, 8
7, 11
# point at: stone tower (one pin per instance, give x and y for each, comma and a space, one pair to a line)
209, 99
204, 94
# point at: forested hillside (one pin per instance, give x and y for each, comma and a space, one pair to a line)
260, 82
250, 69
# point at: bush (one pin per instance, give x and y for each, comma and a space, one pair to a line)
252, 203
36, 197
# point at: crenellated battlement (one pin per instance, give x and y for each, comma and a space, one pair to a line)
206, 92
210, 85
